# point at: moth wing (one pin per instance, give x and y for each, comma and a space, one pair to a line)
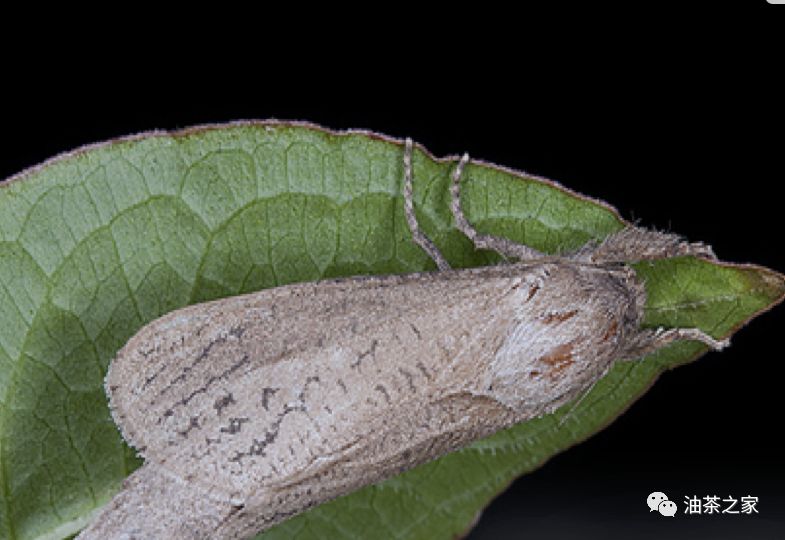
183, 385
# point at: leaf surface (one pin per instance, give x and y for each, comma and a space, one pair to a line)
97, 243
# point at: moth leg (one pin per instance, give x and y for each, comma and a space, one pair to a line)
408, 208
503, 246
633, 244
650, 340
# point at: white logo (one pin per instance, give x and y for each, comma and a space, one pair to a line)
658, 501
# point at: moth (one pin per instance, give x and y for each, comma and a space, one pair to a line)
251, 409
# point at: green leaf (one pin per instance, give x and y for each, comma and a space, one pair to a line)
96, 243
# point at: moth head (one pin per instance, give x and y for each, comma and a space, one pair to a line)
565, 342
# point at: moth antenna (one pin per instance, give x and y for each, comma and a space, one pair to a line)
503, 246
411, 219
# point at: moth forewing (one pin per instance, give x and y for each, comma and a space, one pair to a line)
394, 371
371, 342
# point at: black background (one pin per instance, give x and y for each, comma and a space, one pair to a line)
688, 139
